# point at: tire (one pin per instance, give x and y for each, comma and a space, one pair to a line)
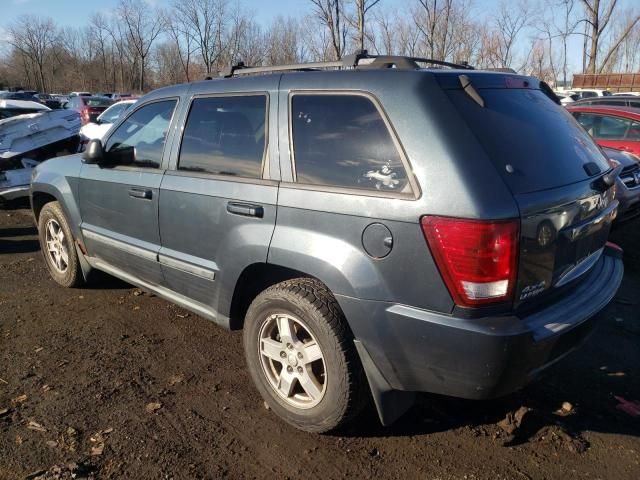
313, 395
55, 236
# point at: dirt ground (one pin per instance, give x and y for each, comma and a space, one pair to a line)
110, 382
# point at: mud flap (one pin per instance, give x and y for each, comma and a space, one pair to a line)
84, 265
391, 404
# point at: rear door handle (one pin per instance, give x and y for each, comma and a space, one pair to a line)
140, 193
245, 209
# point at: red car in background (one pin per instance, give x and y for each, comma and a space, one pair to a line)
89, 108
613, 127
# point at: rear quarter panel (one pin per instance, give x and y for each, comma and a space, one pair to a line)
320, 231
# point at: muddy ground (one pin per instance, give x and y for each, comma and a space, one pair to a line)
110, 382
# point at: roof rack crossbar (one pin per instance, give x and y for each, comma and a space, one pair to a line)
242, 70
352, 61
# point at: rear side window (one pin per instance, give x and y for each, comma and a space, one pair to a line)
225, 136
524, 129
343, 141
607, 127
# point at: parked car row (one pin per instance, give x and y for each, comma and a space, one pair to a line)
374, 231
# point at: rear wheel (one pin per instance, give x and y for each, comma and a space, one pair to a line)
57, 245
301, 356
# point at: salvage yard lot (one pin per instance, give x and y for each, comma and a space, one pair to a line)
111, 382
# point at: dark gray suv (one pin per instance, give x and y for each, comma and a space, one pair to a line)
377, 228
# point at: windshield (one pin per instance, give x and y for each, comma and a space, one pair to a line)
97, 102
533, 143
114, 112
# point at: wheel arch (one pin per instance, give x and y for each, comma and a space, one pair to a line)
38, 200
254, 279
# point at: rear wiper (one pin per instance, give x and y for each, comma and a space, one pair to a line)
607, 180
470, 90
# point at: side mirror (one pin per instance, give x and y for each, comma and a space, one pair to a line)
94, 152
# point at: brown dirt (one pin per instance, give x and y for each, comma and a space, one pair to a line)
109, 382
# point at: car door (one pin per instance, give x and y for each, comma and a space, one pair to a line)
119, 202
218, 197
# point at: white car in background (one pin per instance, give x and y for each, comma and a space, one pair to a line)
619, 94
107, 118
567, 97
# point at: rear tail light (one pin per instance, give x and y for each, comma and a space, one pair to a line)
477, 259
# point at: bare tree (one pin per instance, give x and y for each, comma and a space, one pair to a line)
362, 8
598, 15
178, 31
143, 26
206, 23
332, 16
284, 42
509, 23
98, 24
34, 36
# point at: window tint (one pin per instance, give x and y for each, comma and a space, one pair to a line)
609, 127
612, 127
620, 103
97, 101
114, 112
587, 121
634, 131
139, 140
342, 141
510, 127
225, 136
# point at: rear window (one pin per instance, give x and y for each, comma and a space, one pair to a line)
97, 102
523, 128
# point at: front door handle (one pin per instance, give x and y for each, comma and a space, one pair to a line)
245, 209
141, 193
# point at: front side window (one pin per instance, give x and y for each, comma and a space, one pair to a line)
139, 140
225, 136
343, 141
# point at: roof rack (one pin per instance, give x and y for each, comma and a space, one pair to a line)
349, 62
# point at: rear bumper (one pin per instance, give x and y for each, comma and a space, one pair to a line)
417, 350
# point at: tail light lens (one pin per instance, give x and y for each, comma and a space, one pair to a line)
477, 259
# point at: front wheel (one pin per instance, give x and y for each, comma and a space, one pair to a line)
301, 356
57, 245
